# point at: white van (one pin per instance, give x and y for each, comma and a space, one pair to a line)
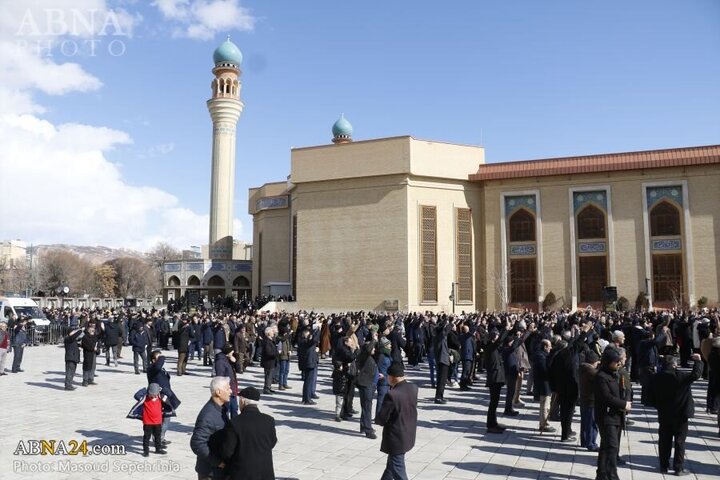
23, 307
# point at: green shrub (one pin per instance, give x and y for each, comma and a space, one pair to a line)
641, 302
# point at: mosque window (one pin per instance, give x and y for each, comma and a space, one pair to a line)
664, 220
522, 226
463, 235
591, 223
667, 278
428, 253
593, 277
523, 280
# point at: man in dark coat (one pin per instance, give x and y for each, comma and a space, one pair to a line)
564, 371
156, 373
442, 358
89, 347
139, 341
207, 433
398, 417
366, 382
111, 336
610, 408
541, 383
495, 376
183, 346
225, 367
672, 396
308, 361
248, 441
467, 355
19, 340
72, 357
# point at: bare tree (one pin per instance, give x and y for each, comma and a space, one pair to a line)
134, 277
495, 283
159, 254
59, 268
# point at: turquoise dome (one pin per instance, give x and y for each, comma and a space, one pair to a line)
342, 128
228, 52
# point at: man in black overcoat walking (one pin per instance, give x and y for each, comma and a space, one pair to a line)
398, 417
248, 441
672, 396
495, 375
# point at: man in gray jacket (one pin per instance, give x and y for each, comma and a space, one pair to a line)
208, 430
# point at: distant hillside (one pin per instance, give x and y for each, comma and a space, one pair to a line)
96, 255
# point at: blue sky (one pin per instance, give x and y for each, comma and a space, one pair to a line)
526, 79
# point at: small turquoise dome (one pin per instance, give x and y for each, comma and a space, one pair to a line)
228, 52
342, 128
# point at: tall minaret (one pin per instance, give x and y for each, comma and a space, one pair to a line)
225, 108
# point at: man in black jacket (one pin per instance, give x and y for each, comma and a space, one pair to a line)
610, 408
672, 396
398, 417
495, 375
111, 335
72, 357
564, 371
308, 361
89, 347
248, 440
442, 358
366, 381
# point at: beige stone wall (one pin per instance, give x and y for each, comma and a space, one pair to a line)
446, 196
271, 257
628, 239
387, 156
704, 193
352, 243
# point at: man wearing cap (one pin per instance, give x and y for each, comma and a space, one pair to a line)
672, 396
398, 417
248, 440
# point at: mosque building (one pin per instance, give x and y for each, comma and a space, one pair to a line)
407, 224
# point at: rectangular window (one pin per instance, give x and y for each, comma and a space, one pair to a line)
523, 281
593, 277
428, 254
667, 278
463, 236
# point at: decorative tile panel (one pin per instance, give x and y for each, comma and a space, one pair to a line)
195, 267
597, 198
522, 250
172, 267
267, 203
657, 194
592, 247
669, 244
528, 202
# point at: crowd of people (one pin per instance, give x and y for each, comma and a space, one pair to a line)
560, 359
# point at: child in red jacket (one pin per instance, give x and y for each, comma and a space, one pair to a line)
152, 417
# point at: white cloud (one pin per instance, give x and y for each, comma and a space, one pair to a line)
202, 19
56, 183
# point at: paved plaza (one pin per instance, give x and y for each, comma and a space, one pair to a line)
451, 441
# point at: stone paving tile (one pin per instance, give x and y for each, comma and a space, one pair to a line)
451, 442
